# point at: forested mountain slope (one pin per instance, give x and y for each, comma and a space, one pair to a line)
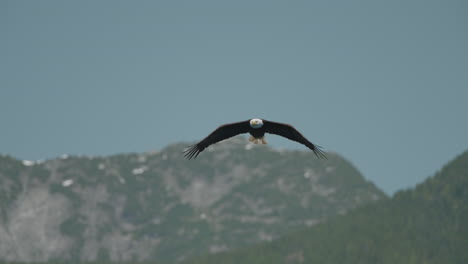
427, 224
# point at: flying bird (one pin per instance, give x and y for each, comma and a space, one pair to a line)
256, 128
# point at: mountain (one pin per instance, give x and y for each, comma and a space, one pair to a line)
427, 224
159, 206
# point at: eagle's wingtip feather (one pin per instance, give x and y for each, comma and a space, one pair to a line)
319, 152
191, 152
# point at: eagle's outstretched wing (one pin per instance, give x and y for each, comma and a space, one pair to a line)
221, 133
291, 133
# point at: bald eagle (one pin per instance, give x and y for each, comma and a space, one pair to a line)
257, 129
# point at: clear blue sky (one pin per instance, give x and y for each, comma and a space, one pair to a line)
384, 83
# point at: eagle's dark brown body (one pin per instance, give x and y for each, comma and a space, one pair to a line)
257, 132
255, 127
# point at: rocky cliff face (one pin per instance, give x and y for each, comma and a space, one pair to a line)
159, 206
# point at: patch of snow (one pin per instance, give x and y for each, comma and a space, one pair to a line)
28, 163
121, 180
265, 236
141, 159
153, 152
280, 150
181, 231
203, 216
307, 174
67, 183
140, 170
218, 248
64, 156
311, 222
101, 166
249, 146
375, 197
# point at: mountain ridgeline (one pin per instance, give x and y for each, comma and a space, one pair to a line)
427, 224
160, 207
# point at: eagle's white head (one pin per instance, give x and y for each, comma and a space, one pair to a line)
256, 123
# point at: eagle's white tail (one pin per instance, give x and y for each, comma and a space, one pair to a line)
258, 140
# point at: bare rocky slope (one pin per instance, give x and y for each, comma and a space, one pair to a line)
158, 206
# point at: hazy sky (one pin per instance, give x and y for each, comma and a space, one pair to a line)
383, 83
